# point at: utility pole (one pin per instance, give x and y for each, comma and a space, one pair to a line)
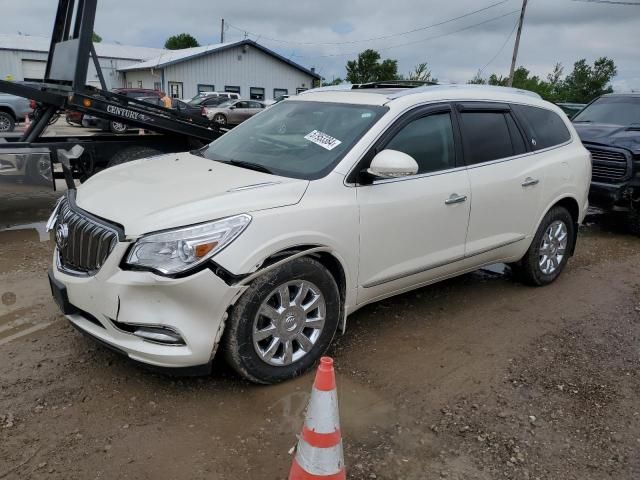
517, 44
222, 31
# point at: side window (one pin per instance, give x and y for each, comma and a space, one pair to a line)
241, 105
547, 127
429, 140
486, 136
517, 140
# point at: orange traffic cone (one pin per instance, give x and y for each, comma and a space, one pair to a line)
319, 450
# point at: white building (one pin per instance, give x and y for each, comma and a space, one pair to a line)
24, 57
245, 67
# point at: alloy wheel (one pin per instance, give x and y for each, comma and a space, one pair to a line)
5, 124
553, 247
289, 322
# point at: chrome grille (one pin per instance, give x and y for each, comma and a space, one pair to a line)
83, 243
608, 165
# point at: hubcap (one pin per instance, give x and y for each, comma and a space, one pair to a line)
289, 323
553, 247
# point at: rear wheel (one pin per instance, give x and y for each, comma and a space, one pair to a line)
130, 154
283, 323
117, 127
220, 119
549, 250
7, 122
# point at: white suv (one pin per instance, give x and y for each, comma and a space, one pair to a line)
262, 243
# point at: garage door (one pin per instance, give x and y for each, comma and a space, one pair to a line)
33, 69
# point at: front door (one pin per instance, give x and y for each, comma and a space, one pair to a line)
175, 89
413, 229
506, 181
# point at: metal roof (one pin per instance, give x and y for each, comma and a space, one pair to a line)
170, 57
33, 43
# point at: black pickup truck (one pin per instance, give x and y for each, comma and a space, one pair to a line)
610, 129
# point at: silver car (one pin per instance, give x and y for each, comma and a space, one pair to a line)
233, 112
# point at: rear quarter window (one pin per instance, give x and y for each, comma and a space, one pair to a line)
547, 128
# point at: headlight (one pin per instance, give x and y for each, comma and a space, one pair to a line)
175, 251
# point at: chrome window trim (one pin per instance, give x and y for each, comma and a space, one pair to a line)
439, 172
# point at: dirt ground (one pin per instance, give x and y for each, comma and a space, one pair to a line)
475, 378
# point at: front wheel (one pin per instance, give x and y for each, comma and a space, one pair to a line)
283, 323
7, 123
550, 249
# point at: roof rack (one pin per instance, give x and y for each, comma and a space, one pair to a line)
393, 84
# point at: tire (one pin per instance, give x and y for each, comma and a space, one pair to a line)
220, 120
117, 127
529, 269
39, 173
7, 122
130, 154
633, 219
240, 351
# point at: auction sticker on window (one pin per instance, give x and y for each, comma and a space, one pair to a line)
325, 141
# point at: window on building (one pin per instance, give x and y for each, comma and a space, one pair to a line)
232, 89
486, 136
256, 93
547, 127
129, 84
300, 90
139, 83
157, 86
279, 92
429, 141
202, 87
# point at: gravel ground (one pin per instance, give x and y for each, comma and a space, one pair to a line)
475, 378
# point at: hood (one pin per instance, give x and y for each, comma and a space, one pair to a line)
611, 135
181, 189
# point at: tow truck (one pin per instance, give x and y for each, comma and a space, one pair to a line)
34, 160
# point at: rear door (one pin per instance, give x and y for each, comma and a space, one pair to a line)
506, 179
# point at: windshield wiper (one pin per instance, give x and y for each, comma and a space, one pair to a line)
583, 121
249, 165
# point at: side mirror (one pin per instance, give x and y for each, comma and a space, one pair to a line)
392, 164
232, 107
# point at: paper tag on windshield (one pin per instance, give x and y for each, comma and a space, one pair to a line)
325, 141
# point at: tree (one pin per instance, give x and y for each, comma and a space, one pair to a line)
180, 41
95, 38
582, 85
368, 68
421, 73
477, 79
335, 81
586, 83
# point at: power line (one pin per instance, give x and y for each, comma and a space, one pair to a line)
610, 2
493, 19
383, 37
515, 25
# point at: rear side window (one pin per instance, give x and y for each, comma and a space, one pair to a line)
547, 128
429, 140
487, 136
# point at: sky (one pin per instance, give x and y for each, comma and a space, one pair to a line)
325, 34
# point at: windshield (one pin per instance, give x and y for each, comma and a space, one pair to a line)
296, 139
614, 110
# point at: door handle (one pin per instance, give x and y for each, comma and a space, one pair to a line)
455, 198
529, 182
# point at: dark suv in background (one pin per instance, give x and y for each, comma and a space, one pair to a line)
610, 129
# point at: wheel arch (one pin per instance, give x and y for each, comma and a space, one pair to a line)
9, 110
573, 207
326, 257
